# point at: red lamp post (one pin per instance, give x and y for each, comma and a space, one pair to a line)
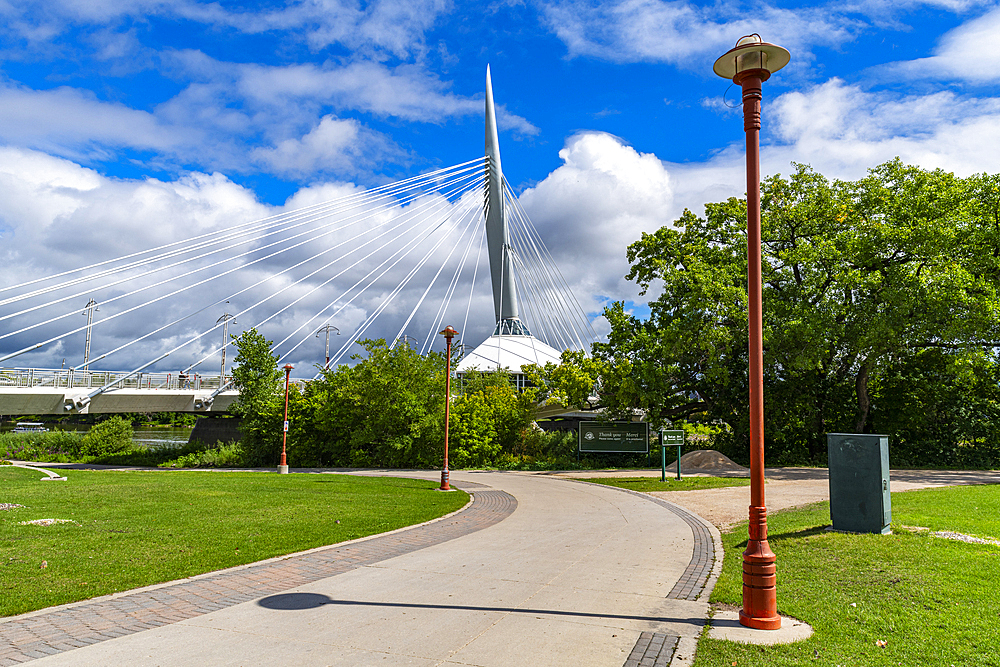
749, 65
283, 466
448, 333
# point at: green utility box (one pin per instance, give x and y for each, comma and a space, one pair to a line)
859, 482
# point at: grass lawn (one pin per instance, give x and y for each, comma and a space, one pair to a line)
133, 529
933, 601
672, 484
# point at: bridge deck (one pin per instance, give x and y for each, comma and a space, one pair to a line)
52, 401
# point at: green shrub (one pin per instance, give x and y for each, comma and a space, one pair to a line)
219, 455
487, 418
112, 436
46, 446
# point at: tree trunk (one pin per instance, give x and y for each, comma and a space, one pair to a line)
864, 402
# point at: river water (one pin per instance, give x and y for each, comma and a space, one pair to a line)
153, 438
162, 438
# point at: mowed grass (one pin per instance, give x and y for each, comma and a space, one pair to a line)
932, 601
672, 484
132, 529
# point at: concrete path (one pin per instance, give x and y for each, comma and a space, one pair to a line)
537, 571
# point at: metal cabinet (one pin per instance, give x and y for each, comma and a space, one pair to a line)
859, 482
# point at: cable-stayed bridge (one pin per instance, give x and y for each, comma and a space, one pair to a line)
398, 261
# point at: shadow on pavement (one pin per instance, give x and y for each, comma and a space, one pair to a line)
299, 601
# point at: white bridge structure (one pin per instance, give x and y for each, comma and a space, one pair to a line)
391, 258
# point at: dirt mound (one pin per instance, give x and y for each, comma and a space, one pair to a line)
708, 460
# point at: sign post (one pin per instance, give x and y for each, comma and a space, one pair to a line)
663, 458
672, 438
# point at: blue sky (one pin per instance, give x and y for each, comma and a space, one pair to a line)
612, 122
135, 88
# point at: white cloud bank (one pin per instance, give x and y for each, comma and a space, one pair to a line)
243, 117
842, 130
588, 210
967, 53
684, 33
390, 27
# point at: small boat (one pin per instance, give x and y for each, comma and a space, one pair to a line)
29, 427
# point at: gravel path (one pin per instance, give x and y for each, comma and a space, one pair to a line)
794, 487
788, 487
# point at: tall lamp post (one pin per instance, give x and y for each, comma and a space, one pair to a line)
224, 321
749, 65
327, 328
283, 466
448, 333
89, 312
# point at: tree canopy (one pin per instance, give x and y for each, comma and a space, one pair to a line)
879, 293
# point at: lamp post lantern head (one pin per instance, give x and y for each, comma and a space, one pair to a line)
288, 368
449, 332
750, 53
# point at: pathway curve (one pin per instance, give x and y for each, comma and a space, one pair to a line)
536, 571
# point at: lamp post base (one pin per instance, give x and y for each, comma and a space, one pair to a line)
760, 604
444, 481
283, 470
760, 623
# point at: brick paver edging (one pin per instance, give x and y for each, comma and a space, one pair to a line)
65, 628
652, 649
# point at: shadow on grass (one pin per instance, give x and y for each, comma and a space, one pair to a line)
805, 532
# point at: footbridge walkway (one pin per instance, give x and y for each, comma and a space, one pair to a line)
34, 391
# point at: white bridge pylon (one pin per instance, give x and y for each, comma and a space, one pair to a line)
398, 262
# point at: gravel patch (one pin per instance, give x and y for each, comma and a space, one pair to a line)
962, 537
9, 506
45, 522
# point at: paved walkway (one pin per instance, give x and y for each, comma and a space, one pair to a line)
536, 571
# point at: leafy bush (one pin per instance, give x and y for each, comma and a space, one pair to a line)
51, 446
257, 378
487, 418
387, 411
111, 436
219, 455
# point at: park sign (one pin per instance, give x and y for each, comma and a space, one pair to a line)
630, 437
673, 438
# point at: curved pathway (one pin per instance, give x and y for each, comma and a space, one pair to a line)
535, 571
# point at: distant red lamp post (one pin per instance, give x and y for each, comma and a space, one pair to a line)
448, 333
749, 65
283, 467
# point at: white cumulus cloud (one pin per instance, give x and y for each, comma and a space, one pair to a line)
603, 196
969, 53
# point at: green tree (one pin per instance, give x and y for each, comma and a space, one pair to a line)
571, 383
386, 410
857, 277
489, 417
257, 377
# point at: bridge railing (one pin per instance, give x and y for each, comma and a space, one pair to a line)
62, 378
67, 378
